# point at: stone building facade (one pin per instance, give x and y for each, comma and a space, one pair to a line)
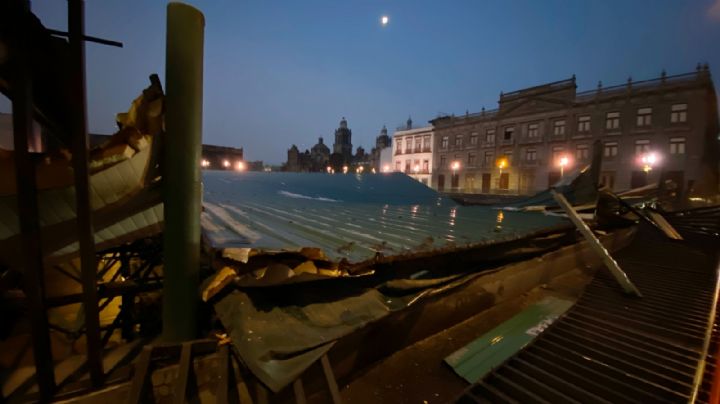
413, 153
518, 148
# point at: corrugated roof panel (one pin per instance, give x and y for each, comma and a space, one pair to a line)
351, 217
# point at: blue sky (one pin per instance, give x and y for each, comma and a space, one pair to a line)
284, 72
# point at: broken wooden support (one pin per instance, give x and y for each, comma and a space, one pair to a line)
619, 275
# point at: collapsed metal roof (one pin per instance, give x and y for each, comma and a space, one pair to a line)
349, 217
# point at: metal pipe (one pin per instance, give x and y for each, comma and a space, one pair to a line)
181, 170
83, 209
619, 275
87, 38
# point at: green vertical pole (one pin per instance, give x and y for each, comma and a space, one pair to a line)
181, 172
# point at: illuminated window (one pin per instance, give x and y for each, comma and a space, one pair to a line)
678, 113
644, 117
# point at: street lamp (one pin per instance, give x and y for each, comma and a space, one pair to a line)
240, 166
416, 168
564, 161
345, 169
386, 168
455, 167
648, 160
226, 163
501, 163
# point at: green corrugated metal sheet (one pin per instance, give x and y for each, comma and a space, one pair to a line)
475, 360
350, 217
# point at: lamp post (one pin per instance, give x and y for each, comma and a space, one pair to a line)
648, 160
564, 161
455, 167
501, 163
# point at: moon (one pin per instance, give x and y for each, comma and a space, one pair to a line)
384, 20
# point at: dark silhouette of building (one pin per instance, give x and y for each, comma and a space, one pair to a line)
383, 141
343, 141
222, 158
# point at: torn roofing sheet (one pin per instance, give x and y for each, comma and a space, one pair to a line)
351, 218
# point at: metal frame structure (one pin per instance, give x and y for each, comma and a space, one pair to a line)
136, 260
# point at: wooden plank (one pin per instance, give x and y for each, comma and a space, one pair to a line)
299, 391
330, 378
181, 383
141, 379
224, 370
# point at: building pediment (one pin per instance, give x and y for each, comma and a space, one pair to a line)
533, 105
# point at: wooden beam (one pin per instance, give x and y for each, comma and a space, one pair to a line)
28, 212
86, 233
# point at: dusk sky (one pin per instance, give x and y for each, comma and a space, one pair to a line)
284, 72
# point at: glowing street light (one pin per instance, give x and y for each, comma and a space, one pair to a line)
240, 166
226, 163
345, 169
416, 168
563, 162
501, 163
205, 163
360, 169
384, 20
386, 168
648, 160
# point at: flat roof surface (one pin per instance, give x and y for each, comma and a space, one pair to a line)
349, 216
